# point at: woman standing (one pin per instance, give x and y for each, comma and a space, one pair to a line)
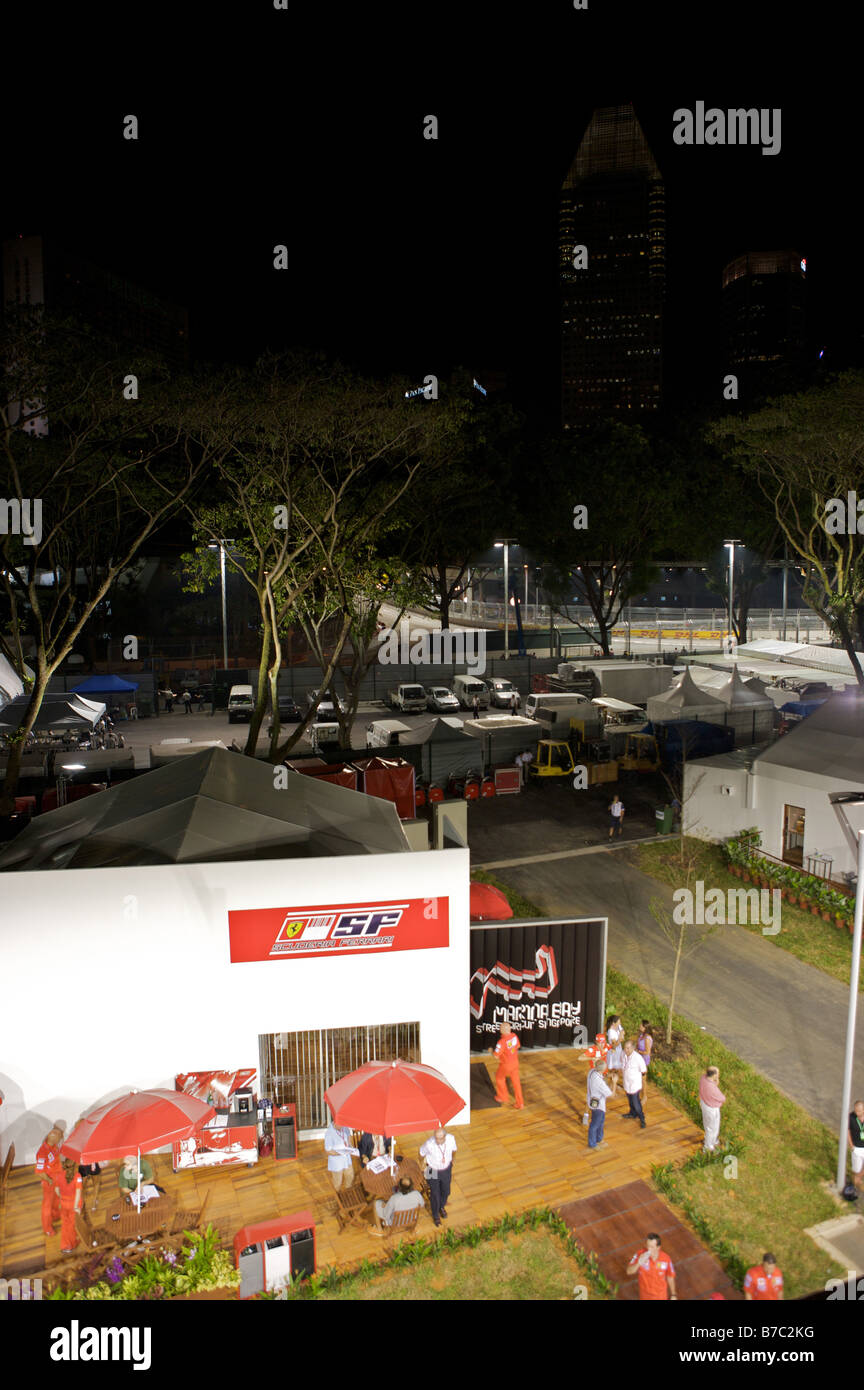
645, 1044
615, 1039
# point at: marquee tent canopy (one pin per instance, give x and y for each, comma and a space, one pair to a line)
59, 710
211, 806
105, 685
829, 742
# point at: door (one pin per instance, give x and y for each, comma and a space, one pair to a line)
793, 835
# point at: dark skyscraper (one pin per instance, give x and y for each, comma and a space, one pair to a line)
613, 205
764, 322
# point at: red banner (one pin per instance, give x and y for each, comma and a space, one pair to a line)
215, 1087
289, 933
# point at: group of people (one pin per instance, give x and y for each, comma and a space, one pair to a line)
187, 699
63, 1185
437, 1155
627, 1061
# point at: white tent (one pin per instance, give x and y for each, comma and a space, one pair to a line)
686, 700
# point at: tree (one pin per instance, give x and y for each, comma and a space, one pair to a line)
463, 498
596, 510
103, 472
806, 454
310, 482
684, 937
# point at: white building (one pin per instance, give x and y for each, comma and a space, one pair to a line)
784, 789
198, 918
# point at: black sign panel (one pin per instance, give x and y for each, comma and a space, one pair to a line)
545, 978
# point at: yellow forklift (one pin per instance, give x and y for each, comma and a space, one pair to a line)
641, 754
555, 758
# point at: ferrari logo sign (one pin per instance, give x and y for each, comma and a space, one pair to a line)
345, 929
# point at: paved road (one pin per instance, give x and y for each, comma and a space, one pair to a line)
786, 1018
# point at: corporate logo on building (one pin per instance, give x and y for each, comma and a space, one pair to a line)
338, 929
511, 984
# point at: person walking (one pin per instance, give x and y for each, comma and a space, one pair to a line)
616, 815
187, 701
598, 1094
475, 706
340, 1156
514, 702
169, 701
656, 1271
506, 1050
711, 1098
438, 1153
856, 1143
47, 1169
764, 1283
633, 1079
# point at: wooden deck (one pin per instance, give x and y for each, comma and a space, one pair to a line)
507, 1160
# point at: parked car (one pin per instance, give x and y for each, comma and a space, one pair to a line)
501, 692
326, 705
241, 703
289, 712
466, 687
440, 699
384, 733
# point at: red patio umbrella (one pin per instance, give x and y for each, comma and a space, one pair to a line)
141, 1120
393, 1098
488, 904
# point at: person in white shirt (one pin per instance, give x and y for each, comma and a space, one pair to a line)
634, 1071
438, 1153
616, 816
598, 1094
405, 1198
340, 1162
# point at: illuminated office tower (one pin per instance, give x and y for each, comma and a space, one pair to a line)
613, 204
764, 322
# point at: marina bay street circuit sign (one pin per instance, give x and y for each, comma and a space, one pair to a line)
374, 928
545, 978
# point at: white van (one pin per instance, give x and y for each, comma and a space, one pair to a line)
553, 702
240, 703
466, 687
384, 733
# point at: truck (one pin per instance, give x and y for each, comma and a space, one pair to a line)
241, 703
408, 697
632, 681
384, 733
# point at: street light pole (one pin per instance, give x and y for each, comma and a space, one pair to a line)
224, 607
731, 547
506, 546
856, 840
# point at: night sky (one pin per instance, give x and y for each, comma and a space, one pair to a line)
412, 255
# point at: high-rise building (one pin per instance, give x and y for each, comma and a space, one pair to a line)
613, 205
764, 298
39, 271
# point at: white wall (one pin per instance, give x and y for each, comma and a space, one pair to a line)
709, 815
114, 979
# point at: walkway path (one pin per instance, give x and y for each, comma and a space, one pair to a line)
787, 1018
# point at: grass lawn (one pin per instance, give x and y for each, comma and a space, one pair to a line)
783, 1159
809, 938
532, 1266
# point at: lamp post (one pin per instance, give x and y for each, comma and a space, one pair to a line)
220, 546
506, 544
62, 781
840, 801
730, 545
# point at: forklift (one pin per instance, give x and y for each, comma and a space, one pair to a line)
641, 754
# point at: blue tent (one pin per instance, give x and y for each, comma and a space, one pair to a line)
105, 685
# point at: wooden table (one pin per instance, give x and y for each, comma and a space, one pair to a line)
153, 1216
382, 1184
